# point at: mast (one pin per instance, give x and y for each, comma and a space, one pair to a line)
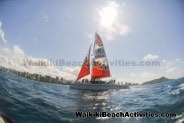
100, 68
85, 69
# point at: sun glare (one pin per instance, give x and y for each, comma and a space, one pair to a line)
108, 15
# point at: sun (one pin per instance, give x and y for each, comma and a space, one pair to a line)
108, 15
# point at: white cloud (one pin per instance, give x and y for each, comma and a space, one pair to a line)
144, 76
124, 30
43, 16
2, 34
117, 30
73, 71
108, 36
173, 67
151, 57
46, 18
169, 70
123, 4
147, 75
15, 58
90, 36
177, 59
139, 76
132, 74
164, 61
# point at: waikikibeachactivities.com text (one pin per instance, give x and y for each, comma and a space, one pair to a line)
124, 114
116, 62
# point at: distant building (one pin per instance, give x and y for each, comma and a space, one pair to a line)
34, 76
47, 78
57, 79
42, 78
25, 74
37, 77
19, 73
61, 80
53, 80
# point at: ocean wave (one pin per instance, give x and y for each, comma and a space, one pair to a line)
178, 90
27, 101
180, 118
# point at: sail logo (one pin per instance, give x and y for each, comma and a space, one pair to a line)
100, 52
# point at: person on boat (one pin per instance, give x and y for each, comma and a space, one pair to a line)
86, 80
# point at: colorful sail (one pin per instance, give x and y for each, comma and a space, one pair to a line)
85, 69
100, 68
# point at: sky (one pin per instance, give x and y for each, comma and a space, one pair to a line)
132, 31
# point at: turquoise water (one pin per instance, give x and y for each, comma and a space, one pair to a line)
27, 101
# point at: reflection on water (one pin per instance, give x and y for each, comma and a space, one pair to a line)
26, 101
92, 100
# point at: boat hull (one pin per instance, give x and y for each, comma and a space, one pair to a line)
86, 86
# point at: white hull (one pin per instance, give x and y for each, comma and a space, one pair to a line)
86, 86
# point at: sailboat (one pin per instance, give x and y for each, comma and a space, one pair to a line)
100, 70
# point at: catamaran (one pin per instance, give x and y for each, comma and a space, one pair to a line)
100, 69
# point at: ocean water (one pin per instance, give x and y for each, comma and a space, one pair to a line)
27, 101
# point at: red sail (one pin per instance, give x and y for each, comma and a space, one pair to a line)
85, 69
100, 67
100, 73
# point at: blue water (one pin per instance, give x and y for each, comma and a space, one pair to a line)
27, 101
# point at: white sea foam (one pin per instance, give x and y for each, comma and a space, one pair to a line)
180, 118
1, 120
180, 88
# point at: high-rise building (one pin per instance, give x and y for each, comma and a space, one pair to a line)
47, 78
57, 79
61, 80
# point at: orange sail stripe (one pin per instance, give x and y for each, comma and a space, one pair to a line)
100, 73
84, 71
